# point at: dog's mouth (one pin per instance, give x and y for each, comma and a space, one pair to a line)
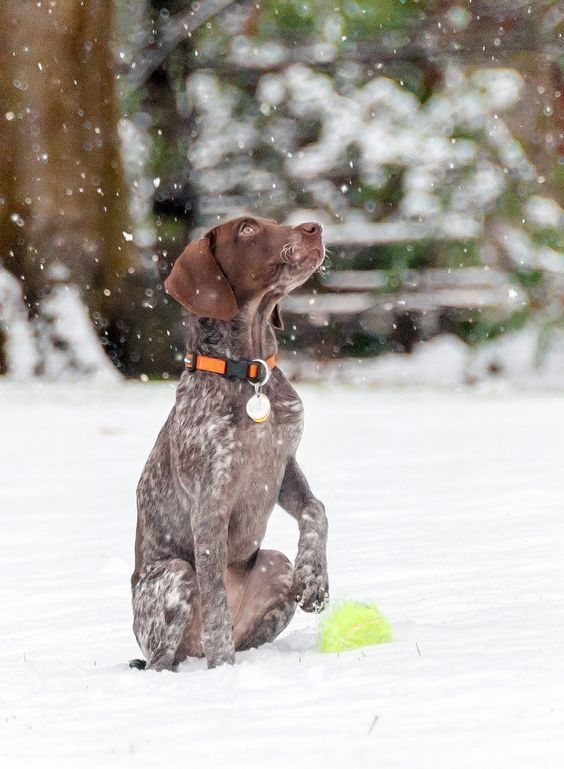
298, 254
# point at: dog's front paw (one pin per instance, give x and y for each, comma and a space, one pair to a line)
310, 587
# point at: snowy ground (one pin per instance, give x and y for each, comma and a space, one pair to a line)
445, 508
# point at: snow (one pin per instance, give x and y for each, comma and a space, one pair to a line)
70, 341
523, 253
439, 362
531, 358
59, 343
445, 508
136, 148
544, 212
20, 349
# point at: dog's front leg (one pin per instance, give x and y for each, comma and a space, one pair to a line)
210, 544
311, 584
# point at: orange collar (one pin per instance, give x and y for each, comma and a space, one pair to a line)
239, 369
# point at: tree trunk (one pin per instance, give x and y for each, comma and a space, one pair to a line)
63, 208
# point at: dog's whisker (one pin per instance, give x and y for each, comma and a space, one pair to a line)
286, 252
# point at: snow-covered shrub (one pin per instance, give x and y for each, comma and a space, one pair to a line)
336, 149
58, 341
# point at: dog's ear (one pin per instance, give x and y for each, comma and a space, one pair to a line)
276, 317
198, 283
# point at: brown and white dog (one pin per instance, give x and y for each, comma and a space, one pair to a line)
202, 585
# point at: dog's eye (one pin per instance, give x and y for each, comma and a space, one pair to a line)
247, 229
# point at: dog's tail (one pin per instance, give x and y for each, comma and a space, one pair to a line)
137, 664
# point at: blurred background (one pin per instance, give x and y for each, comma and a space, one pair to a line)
426, 136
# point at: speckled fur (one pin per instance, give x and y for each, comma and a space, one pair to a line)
204, 500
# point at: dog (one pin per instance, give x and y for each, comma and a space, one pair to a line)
202, 585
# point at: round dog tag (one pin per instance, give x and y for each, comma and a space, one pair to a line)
258, 408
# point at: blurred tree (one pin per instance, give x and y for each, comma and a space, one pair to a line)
63, 208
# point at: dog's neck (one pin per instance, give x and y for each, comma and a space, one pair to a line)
249, 335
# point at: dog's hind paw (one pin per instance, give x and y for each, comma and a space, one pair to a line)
137, 664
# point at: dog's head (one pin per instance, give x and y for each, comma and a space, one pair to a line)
242, 260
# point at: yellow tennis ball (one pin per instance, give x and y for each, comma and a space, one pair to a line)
351, 625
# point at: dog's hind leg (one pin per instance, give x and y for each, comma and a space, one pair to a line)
261, 599
166, 613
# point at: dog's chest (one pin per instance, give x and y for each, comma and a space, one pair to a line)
266, 448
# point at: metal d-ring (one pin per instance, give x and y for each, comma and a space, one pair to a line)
261, 382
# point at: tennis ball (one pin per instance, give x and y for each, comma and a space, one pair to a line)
351, 625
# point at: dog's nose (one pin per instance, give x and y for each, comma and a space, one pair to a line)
309, 228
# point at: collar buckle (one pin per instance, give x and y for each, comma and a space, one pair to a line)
236, 369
